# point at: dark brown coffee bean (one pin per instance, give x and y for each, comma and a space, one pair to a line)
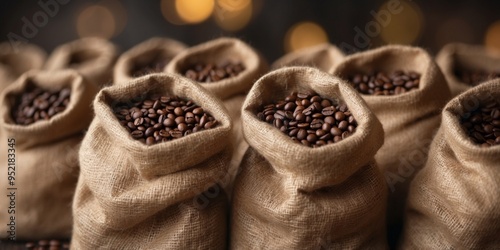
379, 83
164, 118
481, 126
212, 72
339, 116
474, 77
36, 104
328, 110
312, 120
150, 141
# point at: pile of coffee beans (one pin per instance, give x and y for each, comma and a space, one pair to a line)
206, 73
483, 124
36, 104
310, 119
475, 77
380, 83
162, 118
47, 245
156, 65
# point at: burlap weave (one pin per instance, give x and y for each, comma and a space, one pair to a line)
457, 56
232, 91
93, 58
154, 49
46, 154
290, 196
323, 56
14, 61
410, 120
133, 196
454, 202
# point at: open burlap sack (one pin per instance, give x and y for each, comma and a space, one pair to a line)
323, 56
455, 56
165, 196
410, 120
231, 91
290, 196
14, 61
46, 157
153, 51
454, 202
93, 58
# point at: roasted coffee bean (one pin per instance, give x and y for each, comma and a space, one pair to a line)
47, 245
310, 119
380, 83
206, 73
483, 124
36, 104
162, 118
475, 77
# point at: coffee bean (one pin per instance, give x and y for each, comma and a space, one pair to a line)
482, 124
475, 77
380, 83
45, 244
36, 104
314, 122
162, 118
207, 73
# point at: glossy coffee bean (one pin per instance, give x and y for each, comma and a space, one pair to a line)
207, 73
162, 118
37, 104
482, 124
309, 119
475, 77
380, 83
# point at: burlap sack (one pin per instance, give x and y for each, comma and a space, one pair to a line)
46, 156
410, 120
323, 56
458, 56
14, 61
94, 58
231, 91
133, 196
454, 202
154, 49
290, 196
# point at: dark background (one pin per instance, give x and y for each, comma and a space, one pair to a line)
441, 22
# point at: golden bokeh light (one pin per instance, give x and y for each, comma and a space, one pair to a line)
194, 11
233, 5
233, 17
492, 37
96, 21
405, 26
119, 13
304, 34
169, 13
